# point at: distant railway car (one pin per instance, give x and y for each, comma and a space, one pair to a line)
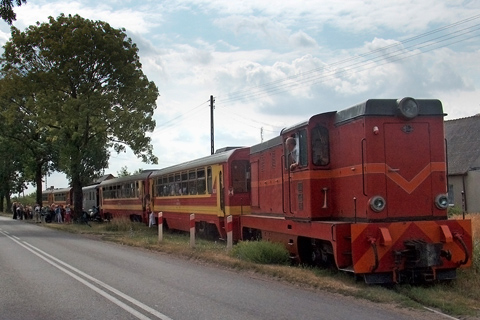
61, 196
363, 190
126, 196
91, 197
212, 188
47, 197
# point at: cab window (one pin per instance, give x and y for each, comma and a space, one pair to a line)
299, 152
320, 146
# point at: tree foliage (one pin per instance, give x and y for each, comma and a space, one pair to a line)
86, 89
24, 129
12, 179
6, 9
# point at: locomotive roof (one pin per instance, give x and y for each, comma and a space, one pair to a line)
219, 157
387, 107
266, 145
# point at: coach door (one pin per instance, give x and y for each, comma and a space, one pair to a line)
407, 169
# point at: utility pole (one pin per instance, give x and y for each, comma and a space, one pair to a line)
212, 100
261, 134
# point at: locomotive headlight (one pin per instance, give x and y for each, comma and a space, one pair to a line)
408, 108
377, 203
441, 201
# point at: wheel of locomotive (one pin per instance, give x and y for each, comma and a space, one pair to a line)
316, 253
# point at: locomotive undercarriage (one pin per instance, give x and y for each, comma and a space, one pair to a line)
417, 263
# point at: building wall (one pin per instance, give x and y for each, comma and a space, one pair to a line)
472, 186
472, 191
455, 188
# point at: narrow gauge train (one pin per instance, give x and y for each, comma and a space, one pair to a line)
367, 193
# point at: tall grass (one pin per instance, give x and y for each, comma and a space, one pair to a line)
262, 252
122, 224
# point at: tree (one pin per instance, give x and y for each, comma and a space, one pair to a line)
125, 173
6, 9
11, 168
24, 129
89, 91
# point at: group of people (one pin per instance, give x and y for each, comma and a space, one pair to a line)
22, 212
54, 212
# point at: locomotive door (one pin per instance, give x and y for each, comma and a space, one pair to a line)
407, 169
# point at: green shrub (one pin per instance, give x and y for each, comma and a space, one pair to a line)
262, 252
454, 211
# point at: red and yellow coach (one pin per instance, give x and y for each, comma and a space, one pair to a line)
212, 188
61, 196
126, 196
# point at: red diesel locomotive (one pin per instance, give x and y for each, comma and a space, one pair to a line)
368, 193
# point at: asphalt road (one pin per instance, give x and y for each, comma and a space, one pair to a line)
47, 274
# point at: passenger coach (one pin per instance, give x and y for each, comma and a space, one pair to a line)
126, 196
212, 188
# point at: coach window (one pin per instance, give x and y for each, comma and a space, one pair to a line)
61, 197
320, 146
184, 190
171, 185
178, 184
164, 186
209, 180
158, 187
192, 182
131, 190
201, 184
125, 190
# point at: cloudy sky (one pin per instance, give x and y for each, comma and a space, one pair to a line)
271, 64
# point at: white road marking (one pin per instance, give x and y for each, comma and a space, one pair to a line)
441, 313
56, 263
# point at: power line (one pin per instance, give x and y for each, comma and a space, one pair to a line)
285, 83
188, 114
355, 64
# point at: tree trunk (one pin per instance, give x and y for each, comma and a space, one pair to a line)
38, 182
77, 196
